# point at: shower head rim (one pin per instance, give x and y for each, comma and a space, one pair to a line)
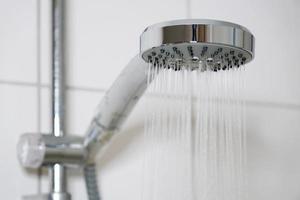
197, 31
196, 21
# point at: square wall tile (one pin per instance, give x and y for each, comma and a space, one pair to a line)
102, 36
273, 75
18, 50
46, 110
45, 40
18, 115
81, 107
273, 148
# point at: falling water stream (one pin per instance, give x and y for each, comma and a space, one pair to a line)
194, 135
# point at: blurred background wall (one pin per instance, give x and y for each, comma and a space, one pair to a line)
97, 52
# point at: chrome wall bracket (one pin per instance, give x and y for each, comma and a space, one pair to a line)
55, 196
45, 150
36, 150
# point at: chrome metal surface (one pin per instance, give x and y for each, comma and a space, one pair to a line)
59, 196
36, 197
213, 43
53, 196
58, 179
31, 150
58, 100
90, 177
58, 171
67, 150
36, 150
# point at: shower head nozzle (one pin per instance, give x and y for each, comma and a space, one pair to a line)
206, 44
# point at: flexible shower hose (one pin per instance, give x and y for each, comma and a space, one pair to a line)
90, 177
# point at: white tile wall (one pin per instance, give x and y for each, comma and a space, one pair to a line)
101, 38
45, 41
80, 107
273, 75
273, 147
104, 35
45, 110
18, 37
18, 114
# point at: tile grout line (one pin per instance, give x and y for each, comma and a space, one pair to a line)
30, 84
101, 90
18, 83
38, 68
289, 106
86, 89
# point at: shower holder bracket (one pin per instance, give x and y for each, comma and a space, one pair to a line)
51, 196
36, 150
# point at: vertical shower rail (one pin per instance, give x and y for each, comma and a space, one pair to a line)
58, 182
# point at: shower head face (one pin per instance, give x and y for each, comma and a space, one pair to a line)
197, 44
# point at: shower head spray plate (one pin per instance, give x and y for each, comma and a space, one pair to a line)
203, 43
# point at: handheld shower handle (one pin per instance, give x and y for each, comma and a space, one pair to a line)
116, 105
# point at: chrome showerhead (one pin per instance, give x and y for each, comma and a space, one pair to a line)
198, 44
